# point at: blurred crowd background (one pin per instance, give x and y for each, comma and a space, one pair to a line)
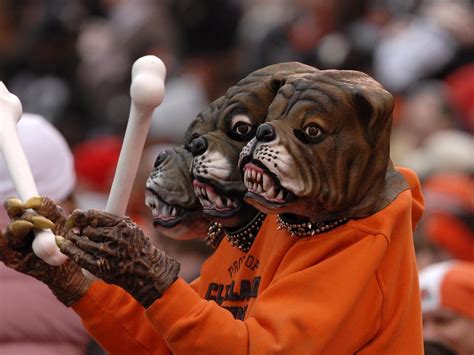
70, 60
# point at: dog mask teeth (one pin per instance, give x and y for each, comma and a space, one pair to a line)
218, 202
149, 200
266, 182
259, 182
164, 209
161, 210
158, 207
210, 199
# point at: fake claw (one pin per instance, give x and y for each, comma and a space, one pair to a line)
34, 202
14, 206
41, 222
20, 229
59, 240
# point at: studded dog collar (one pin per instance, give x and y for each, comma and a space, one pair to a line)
307, 229
242, 238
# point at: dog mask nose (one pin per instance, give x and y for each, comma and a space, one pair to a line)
198, 146
265, 133
160, 158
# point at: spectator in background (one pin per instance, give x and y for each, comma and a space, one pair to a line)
428, 134
447, 291
449, 219
32, 321
425, 111
446, 230
446, 151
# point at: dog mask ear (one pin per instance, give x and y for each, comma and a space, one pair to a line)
374, 106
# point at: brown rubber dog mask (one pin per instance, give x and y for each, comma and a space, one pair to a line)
324, 153
176, 210
218, 181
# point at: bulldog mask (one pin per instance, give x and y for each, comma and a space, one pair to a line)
324, 152
176, 211
218, 181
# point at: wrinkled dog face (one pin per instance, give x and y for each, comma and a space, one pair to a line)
176, 211
218, 182
325, 148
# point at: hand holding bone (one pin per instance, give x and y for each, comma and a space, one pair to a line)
147, 91
115, 249
66, 281
17, 164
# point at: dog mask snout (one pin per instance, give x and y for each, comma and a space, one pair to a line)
265, 133
198, 146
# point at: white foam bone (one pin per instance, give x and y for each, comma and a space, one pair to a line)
44, 245
147, 91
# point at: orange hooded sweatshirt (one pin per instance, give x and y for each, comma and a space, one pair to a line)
352, 289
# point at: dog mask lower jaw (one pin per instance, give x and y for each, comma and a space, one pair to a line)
170, 183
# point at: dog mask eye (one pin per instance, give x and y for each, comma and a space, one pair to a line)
312, 133
241, 128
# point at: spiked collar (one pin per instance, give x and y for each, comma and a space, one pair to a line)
242, 238
308, 229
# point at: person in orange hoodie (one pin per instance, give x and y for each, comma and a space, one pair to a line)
351, 286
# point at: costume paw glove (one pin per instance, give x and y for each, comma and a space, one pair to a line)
116, 250
66, 281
